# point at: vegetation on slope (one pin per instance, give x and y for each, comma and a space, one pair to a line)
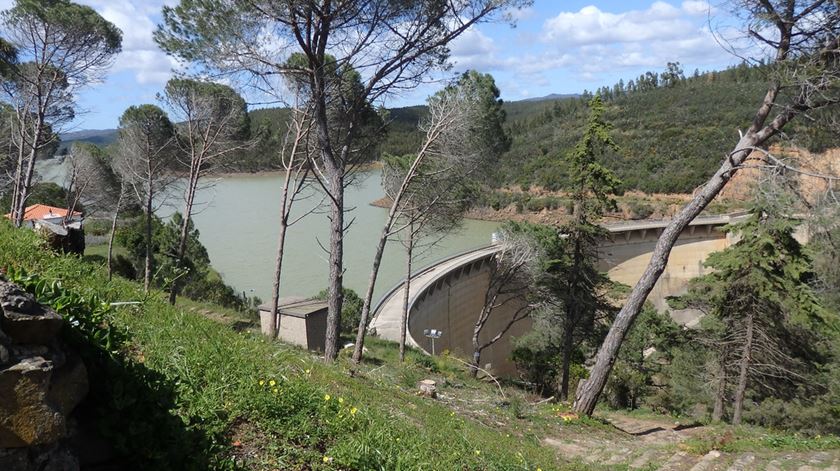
186, 392
174, 389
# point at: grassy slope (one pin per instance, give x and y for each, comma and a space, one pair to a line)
215, 373
211, 387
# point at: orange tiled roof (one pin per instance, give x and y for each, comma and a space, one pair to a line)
41, 211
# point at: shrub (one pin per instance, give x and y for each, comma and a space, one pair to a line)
351, 310
639, 209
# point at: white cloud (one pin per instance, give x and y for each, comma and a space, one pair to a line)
139, 54
697, 7
473, 50
520, 14
590, 25
137, 21
597, 42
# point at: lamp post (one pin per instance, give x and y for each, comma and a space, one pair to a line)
432, 334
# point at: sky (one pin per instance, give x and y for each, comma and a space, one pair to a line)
555, 47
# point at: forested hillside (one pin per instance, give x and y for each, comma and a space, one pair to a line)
671, 131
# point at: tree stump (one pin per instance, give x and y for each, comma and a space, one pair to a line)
428, 388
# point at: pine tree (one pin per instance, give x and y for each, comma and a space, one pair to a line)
764, 315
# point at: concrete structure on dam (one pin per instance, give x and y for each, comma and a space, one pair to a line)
449, 295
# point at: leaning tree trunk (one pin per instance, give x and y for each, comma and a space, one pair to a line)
740, 391
406, 293
274, 321
380, 249
184, 233
590, 390
366, 304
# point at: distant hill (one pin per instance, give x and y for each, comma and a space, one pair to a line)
100, 137
553, 96
671, 135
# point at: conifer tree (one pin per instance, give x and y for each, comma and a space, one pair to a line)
764, 315
592, 184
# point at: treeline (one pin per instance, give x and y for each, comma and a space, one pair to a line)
671, 130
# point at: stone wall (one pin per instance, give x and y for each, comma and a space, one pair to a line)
41, 382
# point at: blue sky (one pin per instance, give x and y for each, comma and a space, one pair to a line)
556, 47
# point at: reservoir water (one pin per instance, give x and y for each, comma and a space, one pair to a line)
238, 223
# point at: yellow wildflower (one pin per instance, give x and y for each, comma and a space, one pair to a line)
262, 382
275, 390
326, 397
341, 400
272, 383
327, 459
353, 411
477, 452
307, 371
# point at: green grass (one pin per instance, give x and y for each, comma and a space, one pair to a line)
737, 439
215, 388
99, 252
189, 388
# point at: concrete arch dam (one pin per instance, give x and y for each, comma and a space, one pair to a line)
449, 294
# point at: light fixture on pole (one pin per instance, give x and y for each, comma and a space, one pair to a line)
432, 334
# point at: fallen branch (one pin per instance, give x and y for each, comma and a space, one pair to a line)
485, 372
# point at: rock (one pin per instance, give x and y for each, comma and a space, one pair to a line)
40, 385
43, 458
23, 319
428, 388
37, 326
26, 418
69, 385
14, 297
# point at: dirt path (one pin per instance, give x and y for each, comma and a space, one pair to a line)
659, 445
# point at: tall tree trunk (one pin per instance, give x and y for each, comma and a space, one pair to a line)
184, 233
18, 179
590, 390
573, 307
380, 250
147, 272
111, 235
274, 321
568, 347
26, 184
406, 293
720, 393
476, 356
336, 295
740, 391
366, 303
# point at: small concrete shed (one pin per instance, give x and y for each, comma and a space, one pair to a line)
302, 322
